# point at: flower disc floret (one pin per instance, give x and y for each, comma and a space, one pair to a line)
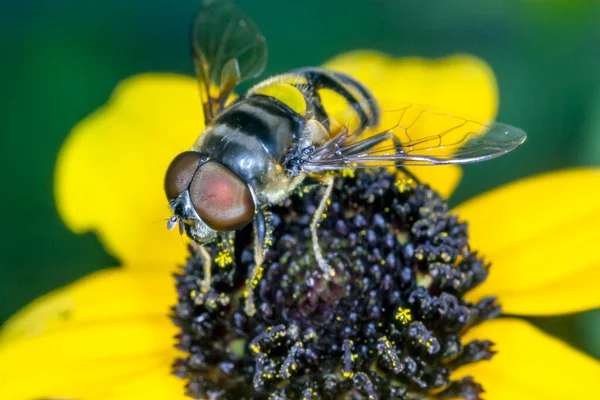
388, 325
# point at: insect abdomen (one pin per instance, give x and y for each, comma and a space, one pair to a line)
322, 83
323, 93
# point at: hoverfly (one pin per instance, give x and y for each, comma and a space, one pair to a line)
259, 148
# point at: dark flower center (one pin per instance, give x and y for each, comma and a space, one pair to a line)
387, 326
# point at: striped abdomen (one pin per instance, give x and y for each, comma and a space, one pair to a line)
319, 93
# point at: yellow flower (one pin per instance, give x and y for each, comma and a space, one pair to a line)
108, 335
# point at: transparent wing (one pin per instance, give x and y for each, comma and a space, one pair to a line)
416, 135
227, 48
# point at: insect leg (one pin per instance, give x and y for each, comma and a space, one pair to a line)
205, 286
325, 268
260, 235
406, 172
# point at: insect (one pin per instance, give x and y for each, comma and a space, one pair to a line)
280, 136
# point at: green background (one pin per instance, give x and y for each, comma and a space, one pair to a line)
60, 59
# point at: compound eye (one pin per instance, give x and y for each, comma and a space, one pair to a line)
221, 198
180, 173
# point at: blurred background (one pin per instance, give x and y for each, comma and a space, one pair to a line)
61, 59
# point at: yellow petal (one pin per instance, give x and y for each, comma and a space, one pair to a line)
160, 384
94, 339
578, 291
541, 236
442, 178
461, 85
531, 365
110, 171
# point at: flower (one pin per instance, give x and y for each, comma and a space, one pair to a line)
108, 335
394, 306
